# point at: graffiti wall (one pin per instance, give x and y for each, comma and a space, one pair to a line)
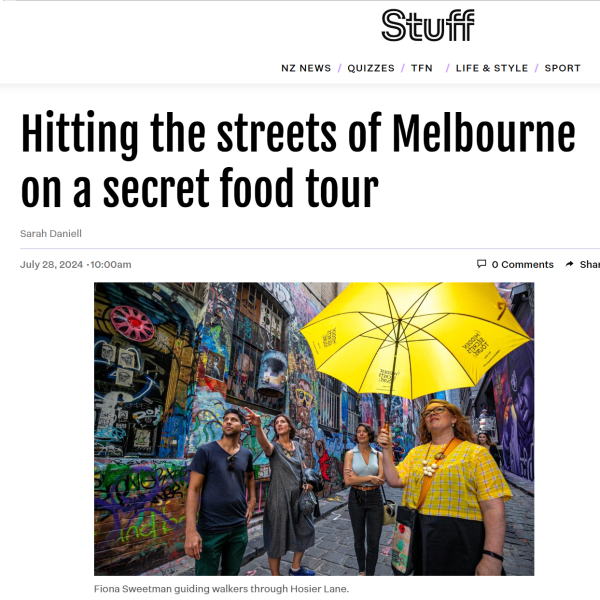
303, 384
513, 383
139, 513
221, 376
144, 365
404, 419
167, 366
213, 393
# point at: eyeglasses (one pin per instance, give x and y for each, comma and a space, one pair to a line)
438, 410
230, 460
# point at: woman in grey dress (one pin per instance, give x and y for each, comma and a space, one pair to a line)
285, 528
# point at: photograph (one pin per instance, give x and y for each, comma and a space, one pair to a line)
302, 429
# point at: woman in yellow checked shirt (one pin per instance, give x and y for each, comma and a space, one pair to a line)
461, 523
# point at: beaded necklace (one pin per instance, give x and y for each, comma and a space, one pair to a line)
430, 470
288, 453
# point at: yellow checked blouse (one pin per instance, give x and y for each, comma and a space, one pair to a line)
468, 475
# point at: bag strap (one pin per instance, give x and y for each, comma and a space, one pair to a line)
302, 468
385, 500
427, 481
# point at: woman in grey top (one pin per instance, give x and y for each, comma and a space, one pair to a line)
284, 526
363, 470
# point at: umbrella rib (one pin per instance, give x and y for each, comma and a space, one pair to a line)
424, 297
403, 344
369, 367
449, 352
378, 326
443, 345
373, 338
388, 346
354, 338
410, 369
475, 317
423, 294
389, 297
350, 312
419, 329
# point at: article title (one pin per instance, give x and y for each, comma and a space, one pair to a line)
50, 133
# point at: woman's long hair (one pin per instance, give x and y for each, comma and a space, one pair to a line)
462, 427
488, 439
289, 422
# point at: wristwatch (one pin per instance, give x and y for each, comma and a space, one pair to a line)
494, 555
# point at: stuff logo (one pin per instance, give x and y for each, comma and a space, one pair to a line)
457, 27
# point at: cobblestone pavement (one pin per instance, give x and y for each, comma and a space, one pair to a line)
518, 547
333, 552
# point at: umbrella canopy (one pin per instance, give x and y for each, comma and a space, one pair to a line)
412, 339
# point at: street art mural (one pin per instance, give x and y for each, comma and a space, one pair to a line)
411, 411
139, 513
210, 398
404, 419
214, 346
206, 426
513, 383
330, 451
144, 365
303, 384
367, 409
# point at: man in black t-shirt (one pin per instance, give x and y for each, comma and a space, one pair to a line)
220, 473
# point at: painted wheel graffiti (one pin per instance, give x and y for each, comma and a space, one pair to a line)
132, 323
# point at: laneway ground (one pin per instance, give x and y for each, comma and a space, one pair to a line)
333, 553
518, 547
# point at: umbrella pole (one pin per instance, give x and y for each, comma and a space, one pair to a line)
389, 406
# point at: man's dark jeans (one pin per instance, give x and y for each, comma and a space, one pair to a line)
228, 548
366, 512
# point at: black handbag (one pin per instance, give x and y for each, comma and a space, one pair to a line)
308, 500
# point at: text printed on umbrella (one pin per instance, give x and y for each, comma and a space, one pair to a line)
476, 345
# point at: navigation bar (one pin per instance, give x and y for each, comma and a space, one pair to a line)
289, 42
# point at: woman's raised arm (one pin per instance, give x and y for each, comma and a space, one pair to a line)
254, 420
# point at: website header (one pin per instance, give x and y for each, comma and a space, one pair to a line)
328, 42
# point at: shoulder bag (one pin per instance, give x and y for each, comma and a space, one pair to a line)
389, 510
407, 520
308, 501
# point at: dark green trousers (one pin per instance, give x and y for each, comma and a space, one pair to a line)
228, 547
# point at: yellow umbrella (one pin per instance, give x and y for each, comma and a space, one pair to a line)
412, 339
